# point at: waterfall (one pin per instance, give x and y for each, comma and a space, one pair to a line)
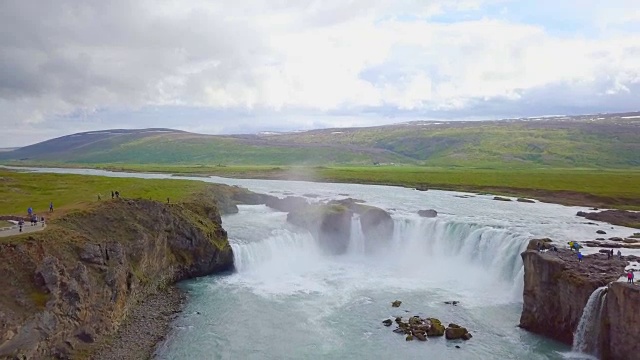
586, 339
423, 245
282, 247
496, 250
356, 238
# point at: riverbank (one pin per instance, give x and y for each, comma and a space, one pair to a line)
147, 325
601, 188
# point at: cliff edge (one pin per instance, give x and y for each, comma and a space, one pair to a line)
65, 288
557, 287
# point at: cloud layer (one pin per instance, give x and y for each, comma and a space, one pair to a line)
244, 66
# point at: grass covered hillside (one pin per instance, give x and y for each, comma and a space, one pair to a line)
598, 141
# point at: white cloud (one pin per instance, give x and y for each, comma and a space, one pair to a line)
297, 57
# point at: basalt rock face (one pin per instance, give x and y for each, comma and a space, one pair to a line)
66, 288
376, 224
557, 287
377, 227
621, 318
330, 225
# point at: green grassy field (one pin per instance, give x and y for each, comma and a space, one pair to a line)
19, 190
587, 187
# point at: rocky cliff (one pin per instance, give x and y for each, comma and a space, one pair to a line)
556, 290
621, 318
330, 225
64, 288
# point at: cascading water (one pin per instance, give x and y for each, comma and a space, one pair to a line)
356, 238
282, 247
495, 251
586, 339
446, 250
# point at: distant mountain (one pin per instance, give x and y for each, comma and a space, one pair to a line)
603, 140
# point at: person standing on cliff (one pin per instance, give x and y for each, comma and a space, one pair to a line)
579, 256
50, 206
619, 255
629, 277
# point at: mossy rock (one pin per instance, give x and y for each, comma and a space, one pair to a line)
453, 333
436, 328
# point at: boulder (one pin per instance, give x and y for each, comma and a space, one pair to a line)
387, 322
454, 333
436, 328
396, 303
602, 232
422, 187
581, 214
430, 213
500, 198
523, 200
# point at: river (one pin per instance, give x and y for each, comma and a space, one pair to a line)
287, 300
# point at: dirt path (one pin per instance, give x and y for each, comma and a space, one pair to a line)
27, 228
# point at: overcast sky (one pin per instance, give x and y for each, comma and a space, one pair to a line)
242, 66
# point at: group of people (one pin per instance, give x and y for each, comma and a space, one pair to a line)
114, 195
610, 254
33, 218
543, 248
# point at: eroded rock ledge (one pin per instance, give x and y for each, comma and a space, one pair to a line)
556, 290
65, 288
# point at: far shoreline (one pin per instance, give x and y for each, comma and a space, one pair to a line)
560, 197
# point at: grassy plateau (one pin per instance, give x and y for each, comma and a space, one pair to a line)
21, 190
